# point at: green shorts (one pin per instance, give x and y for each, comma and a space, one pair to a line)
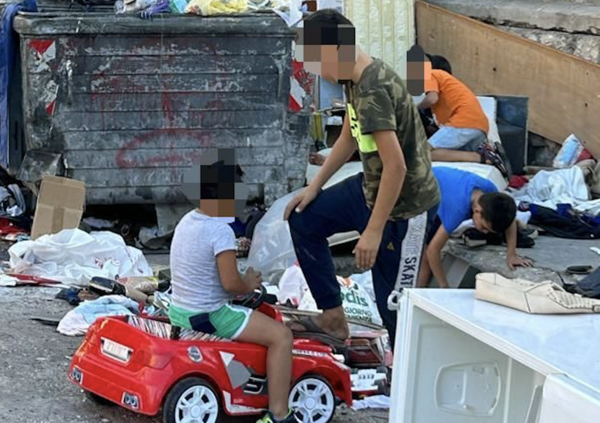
229, 320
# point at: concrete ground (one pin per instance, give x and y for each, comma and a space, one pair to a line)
551, 257
34, 359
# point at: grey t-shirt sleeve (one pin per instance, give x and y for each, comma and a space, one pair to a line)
223, 239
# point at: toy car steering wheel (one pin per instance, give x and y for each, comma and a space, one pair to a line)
252, 300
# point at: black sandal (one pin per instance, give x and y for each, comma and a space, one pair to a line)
488, 154
313, 331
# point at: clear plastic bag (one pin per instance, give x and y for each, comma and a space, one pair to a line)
272, 250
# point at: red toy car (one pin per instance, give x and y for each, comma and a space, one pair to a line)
132, 361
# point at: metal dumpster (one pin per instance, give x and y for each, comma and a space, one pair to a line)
127, 104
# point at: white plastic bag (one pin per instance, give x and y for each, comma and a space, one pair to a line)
74, 256
356, 301
568, 153
272, 250
292, 286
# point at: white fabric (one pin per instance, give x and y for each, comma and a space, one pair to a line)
483, 170
380, 402
490, 108
73, 257
77, 321
564, 186
195, 279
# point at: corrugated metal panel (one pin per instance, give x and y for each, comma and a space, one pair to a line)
130, 103
385, 28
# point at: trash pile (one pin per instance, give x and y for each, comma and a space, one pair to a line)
147, 9
100, 274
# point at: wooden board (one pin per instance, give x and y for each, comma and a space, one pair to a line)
564, 90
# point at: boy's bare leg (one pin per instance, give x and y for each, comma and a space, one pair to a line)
444, 155
278, 339
424, 272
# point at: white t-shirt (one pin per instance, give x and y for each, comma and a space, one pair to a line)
195, 278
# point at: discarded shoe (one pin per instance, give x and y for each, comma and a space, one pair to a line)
579, 270
524, 241
530, 297
105, 286
473, 238
489, 154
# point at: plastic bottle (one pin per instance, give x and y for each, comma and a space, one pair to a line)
569, 153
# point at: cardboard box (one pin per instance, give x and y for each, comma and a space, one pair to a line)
59, 206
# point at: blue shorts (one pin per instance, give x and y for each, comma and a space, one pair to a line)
463, 139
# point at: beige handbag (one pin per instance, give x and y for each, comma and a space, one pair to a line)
530, 297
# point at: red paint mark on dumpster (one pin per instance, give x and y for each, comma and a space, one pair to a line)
301, 84
50, 108
131, 155
41, 46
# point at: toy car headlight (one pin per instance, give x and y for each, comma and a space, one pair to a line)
339, 357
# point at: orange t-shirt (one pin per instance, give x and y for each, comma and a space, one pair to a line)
457, 105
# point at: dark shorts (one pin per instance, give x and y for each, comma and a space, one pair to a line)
435, 225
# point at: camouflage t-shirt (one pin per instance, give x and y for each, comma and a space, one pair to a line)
381, 102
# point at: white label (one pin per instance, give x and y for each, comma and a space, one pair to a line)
116, 351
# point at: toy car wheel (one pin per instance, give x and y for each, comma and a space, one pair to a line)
192, 400
97, 399
312, 400
383, 387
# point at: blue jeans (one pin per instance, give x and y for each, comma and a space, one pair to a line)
343, 208
462, 139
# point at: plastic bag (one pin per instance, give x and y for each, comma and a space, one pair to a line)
178, 6
356, 301
569, 153
272, 250
216, 7
73, 256
292, 286
133, 6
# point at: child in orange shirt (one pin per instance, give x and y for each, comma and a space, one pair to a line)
462, 136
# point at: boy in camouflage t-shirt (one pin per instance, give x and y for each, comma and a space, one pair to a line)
391, 203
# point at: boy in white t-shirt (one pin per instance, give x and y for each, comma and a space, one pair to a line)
205, 277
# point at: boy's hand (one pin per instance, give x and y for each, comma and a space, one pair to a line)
300, 201
253, 279
366, 249
516, 261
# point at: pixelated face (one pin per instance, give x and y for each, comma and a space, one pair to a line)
329, 52
214, 183
418, 70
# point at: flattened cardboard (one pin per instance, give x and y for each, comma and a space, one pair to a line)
59, 206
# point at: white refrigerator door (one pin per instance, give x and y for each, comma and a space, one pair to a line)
567, 401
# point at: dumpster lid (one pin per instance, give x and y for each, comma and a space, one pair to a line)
58, 19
